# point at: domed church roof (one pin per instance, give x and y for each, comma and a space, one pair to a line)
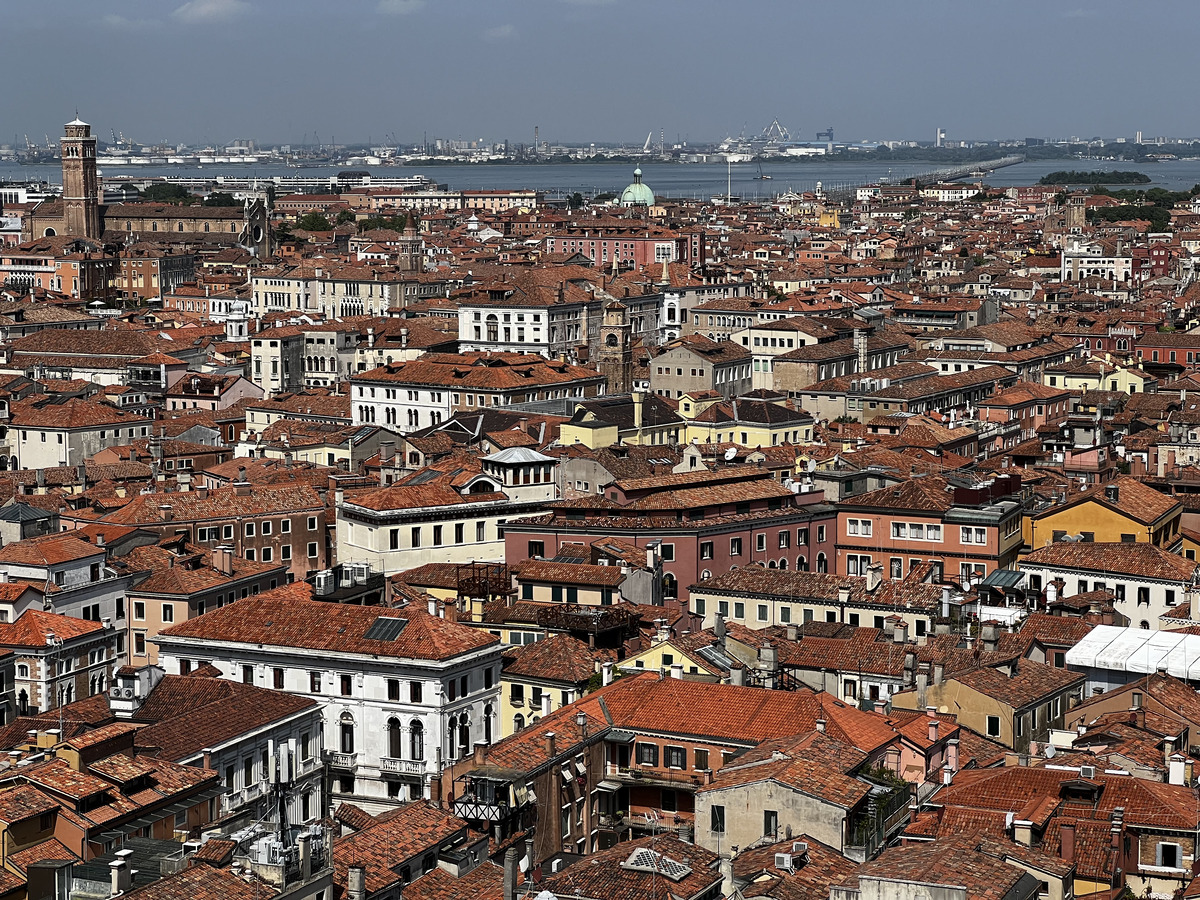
637, 194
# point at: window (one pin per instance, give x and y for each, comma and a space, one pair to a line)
247, 674
762, 612
1167, 856
414, 692
770, 822
706, 549
277, 679
669, 802
993, 726
1143, 596
717, 820
739, 610
699, 759
416, 536
760, 542
249, 529
675, 758
347, 685
266, 528
139, 643
312, 523
314, 682
785, 540
312, 550
393, 688
735, 546
537, 549
139, 610
668, 552
647, 754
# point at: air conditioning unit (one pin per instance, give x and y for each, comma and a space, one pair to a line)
127, 693
1087, 771
783, 861
799, 847
115, 693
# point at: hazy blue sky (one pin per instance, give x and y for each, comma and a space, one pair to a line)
273, 70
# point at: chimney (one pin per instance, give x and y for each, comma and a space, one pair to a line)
843, 596
900, 633
728, 887
939, 670
546, 709
356, 883
821, 725
304, 846
551, 751
510, 874
677, 671
989, 637
933, 729
792, 632
222, 559
207, 758
165, 512
1066, 837
433, 606
719, 630
120, 873
480, 752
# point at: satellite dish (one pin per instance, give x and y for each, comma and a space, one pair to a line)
1050, 751
730, 454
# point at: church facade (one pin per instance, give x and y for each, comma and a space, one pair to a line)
79, 212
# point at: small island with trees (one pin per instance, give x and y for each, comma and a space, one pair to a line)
1073, 177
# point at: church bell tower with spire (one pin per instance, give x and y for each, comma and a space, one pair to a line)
81, 194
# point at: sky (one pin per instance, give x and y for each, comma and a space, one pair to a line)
278, 71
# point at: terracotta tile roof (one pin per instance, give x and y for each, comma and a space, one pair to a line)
941, 863
1141, 560
484, 882
202, 883
184, 714
559, 657
31, 627
815, 765
389, 840
602, 875
273, 619
222, 504
24, 802
809, 879
49, 550
1033, 683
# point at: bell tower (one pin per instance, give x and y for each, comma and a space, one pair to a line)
81, 196
614, 358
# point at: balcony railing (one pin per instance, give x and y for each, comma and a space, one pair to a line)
646, 775
345, 761
394, 766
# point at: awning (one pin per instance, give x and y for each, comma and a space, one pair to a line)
608, 786
1004, 579
617, 736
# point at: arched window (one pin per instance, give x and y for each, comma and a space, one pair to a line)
180, 227
451, 732
346, 733
464, 735
416, 740
610, 340
801, 564
670, 586
783, 564
518, 720
771, 564
487, 723
207, 227
49, 232
395, 739
822, 565
1144, 625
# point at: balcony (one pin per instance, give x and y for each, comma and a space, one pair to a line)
346, 762
390, 765
646, 775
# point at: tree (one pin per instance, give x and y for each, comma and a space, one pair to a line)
221, 199
391, 223
167, 193
575, 201
313, 221
345, 217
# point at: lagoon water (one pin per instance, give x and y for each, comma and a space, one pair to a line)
700, 180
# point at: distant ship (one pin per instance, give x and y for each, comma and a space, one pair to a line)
760, 176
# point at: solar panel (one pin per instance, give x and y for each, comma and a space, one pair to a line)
385, 629
646, 860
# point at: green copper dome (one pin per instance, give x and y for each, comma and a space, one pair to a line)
637, 194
